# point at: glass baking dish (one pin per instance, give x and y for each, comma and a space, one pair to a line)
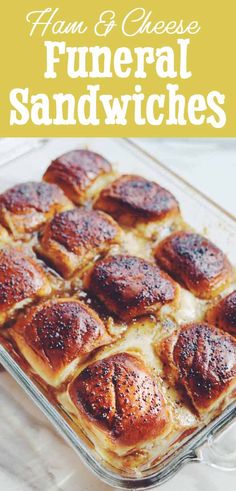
213, 444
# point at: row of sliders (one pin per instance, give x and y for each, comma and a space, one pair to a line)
77, 221
128, 286
118, 399
77, 178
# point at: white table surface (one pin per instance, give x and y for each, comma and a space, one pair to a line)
32, 456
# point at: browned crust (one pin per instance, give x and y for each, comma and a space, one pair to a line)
75, 171
78, 232
202, 358
119, 395
130, 286
61, 330
21, 277
195, 262
26, 206
78, 229
223, 314
132, 199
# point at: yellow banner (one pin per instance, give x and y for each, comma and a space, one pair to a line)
118, 68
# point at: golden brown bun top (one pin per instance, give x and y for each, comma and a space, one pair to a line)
38, 196
138, 194
194, 261
78, 168
224, 313
129, 285
62, 329
20, 277
120, 395
79, 228
206, 360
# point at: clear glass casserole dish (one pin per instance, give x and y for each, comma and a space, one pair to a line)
203, 446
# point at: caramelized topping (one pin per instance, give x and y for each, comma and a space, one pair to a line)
75, 171
20, 277
130, 286
61, 330
146, 200
224, 313
206, 361
196, 262
120, 395
38, 196
77, 229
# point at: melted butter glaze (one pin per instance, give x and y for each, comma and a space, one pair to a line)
223, 314
204, 361
38, 196
130, 286
77, 229
61, 330
120, 395
196, 262
131, 198
21, 277
77, 169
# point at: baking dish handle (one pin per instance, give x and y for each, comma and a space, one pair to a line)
220, 450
